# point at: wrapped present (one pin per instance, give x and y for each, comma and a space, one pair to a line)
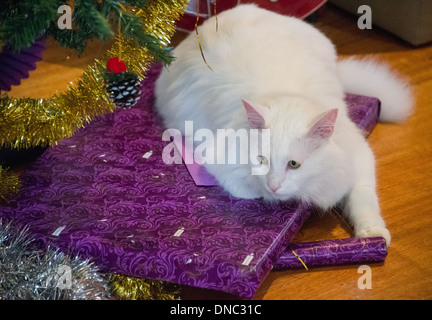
332, 252
363, 111
106, 194
208, 8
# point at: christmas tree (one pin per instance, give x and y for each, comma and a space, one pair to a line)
21, 22
141, 30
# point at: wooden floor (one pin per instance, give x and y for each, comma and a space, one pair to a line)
404, 173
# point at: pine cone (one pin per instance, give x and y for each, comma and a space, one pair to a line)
125, 92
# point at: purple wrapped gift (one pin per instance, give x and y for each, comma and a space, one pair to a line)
106, 194
364, 111
332, 252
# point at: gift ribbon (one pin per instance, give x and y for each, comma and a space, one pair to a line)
304, 265
332, 252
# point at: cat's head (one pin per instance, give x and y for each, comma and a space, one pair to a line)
290, 162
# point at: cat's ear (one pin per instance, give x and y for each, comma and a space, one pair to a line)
257, 114
323, 128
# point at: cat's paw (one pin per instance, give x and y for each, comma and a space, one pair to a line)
374, 231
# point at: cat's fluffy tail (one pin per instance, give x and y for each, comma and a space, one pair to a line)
375, 79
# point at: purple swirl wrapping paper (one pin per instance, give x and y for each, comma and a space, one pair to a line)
106, 194
364, 111
333, 252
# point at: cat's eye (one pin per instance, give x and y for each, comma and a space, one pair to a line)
294, 164
262, 160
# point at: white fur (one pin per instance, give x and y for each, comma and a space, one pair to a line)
291, 69
376, 79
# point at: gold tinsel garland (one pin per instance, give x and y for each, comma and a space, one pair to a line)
130, 288
9, 184
25, 123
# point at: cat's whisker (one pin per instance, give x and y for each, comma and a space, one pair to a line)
337, 214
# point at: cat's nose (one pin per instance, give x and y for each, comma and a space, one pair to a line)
274, 186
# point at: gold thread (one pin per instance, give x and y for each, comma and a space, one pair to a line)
119, 30
119, 27
216, 17
304, 265
198, 37
122, 7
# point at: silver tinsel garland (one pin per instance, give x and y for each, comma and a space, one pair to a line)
27, 274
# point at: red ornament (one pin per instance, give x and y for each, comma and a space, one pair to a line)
116, 65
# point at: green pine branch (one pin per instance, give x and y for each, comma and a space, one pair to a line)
21, 22
24, 21
134, 29
91, 21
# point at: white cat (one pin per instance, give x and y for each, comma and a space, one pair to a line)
277, 72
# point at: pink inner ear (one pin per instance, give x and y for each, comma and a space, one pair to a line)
256, 115
324, 127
